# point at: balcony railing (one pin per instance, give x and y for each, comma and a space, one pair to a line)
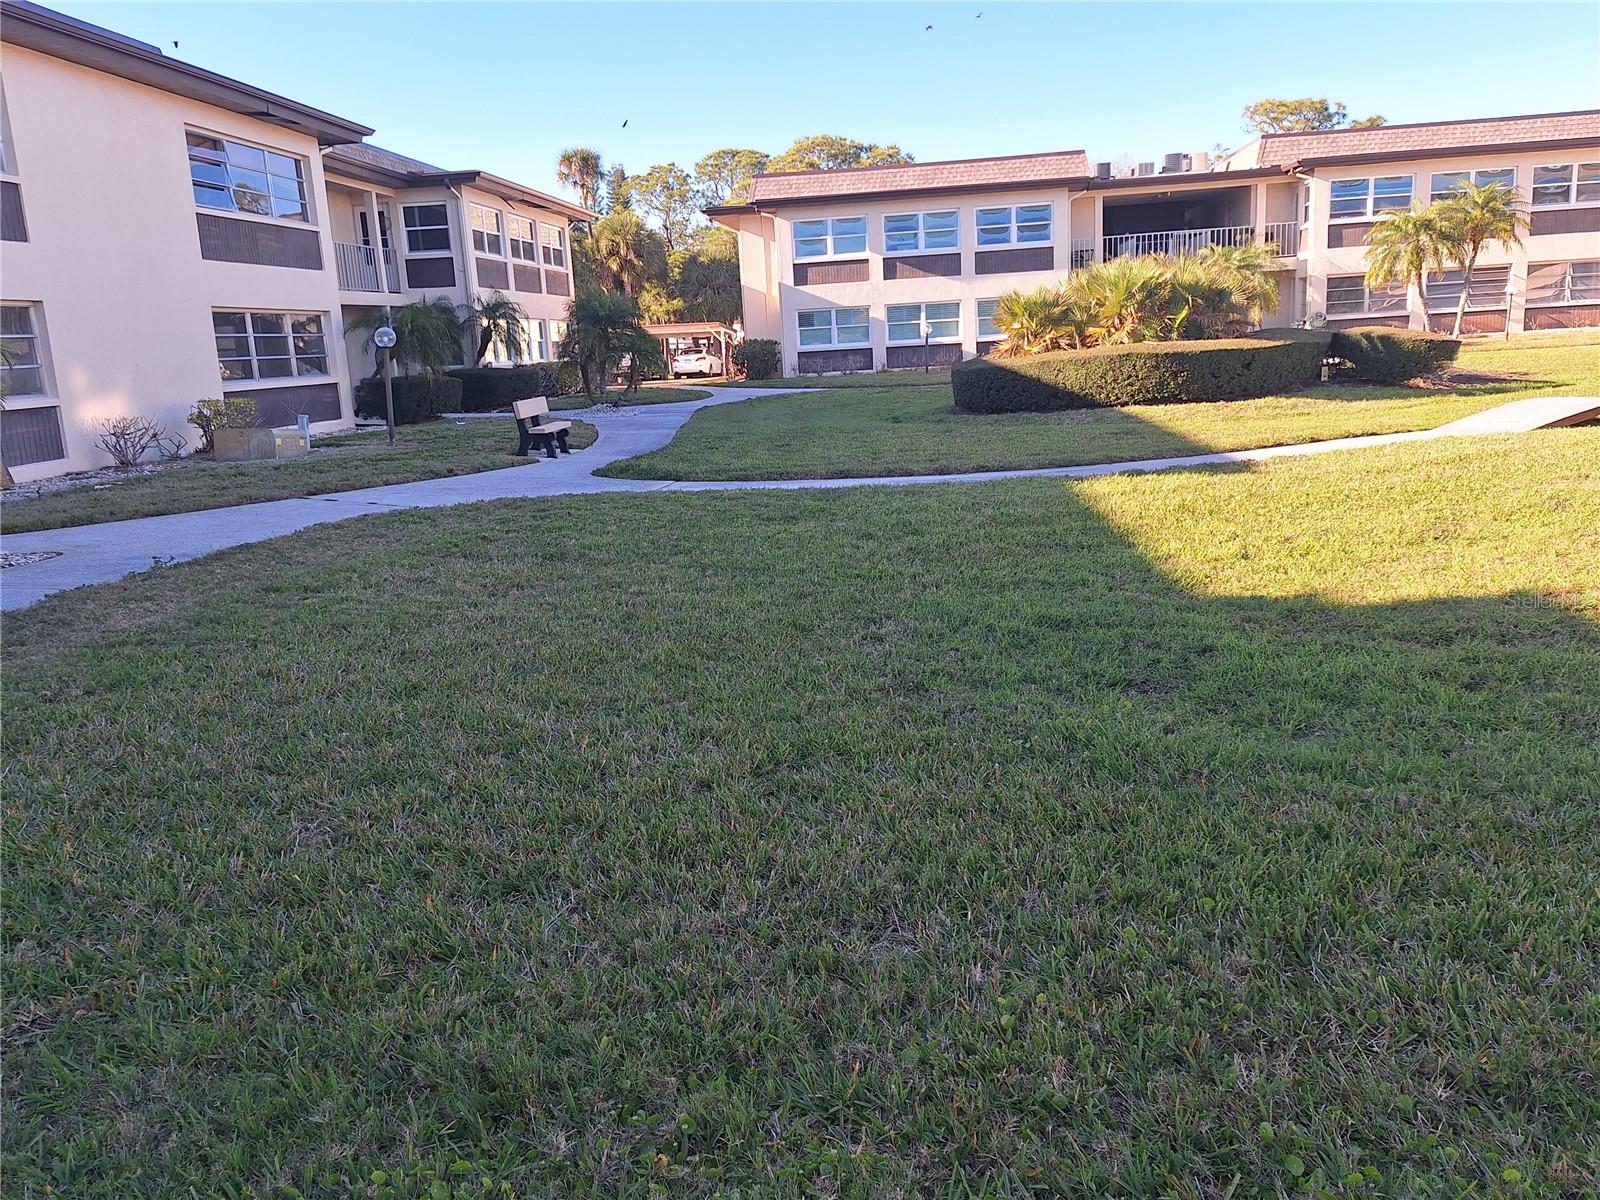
1176, 241
359, 270
1285, 235
1082, 253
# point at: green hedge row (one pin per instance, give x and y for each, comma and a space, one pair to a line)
1144, 373
757, 358
416, 398
486, 389
1384, 355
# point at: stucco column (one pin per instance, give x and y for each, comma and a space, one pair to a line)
376, 225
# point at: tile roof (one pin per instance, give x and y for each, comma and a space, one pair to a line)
367, 155
1280, 149
915, 177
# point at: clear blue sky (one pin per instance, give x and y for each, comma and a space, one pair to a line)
506, 86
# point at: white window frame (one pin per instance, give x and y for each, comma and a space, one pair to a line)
919, 231
255, 378
1489, 291
302, 178
1476, 176
829, 238
448, 250
1561, 292
1575, 183
1391, 300
41, 357
999, 334
986, 220
922, 307
515, 223
553, 253
487, 239
1369, 211
833, 327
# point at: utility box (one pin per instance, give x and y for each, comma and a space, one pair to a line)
244, 445
292, 442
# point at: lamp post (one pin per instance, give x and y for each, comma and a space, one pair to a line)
383, 338
927, 332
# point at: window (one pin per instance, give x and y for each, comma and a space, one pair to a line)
1350, 294
905, 321
920, 231
235, 177
1368, 197
558, 334
1023, 223
988, 331
553, 245
836, 235
1445, 182
485, 224
270, 345
1575, 183
1488, 289
1564, 283
427, 228
366, 227
22, 368
834, 327
524, 240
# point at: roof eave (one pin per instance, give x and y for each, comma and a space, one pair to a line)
1027, 185
1572, 143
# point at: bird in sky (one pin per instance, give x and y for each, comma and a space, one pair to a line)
925, 28
625, 123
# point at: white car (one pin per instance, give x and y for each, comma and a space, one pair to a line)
696, 362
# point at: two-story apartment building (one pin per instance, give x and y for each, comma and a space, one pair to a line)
168, 234
886, 267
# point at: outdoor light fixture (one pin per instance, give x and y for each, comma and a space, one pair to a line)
383, 338
927, 332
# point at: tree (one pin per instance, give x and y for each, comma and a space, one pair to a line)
579, 168
1474, 215
723, 176
708, 287
427, 334
826, 152
498, 318
1304, 115
627, 252
666, 193
1406, 245
617, 197
599, 329
1035, 322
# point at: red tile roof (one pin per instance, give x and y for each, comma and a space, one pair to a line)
1282, 149
916, 177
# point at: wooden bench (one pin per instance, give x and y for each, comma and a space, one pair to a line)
533, 430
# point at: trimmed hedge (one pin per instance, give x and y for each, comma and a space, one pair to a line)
1381, 354
485, 389
417, 398
1272, 360
757, 358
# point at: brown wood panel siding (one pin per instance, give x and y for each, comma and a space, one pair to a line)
228, 239
13, 225
987, 348
1024, 258
820, 362
525, 278
1566, 316
1341, 237
1357, 322
1472, 322
1564, 220
283, 405
31, 435
922, 266
430, 272
945, 354
850, 270
557, 283
493, 273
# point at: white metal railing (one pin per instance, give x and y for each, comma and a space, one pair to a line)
1285, 235
1082, 253
358, 267
391, 269
1176, 241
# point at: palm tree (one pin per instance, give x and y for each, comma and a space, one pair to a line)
628, 252
1124, 300
1035, 322
1250, 274
427, 334
1475, 215
1406, 244
498, 318
579, 168
600, 328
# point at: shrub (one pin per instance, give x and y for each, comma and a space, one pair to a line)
126, 439
220, 412
1143, 373
485, 389
1384, 355
416, 398
569, 379
757, 358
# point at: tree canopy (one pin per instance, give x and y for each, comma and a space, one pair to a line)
723, 176
827, 152
1307, 114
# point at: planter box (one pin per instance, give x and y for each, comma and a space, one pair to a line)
244, 445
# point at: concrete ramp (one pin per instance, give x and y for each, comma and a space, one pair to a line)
1524, 416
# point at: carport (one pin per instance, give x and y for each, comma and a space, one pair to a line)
681, 335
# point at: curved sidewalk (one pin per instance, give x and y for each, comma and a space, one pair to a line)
88, 554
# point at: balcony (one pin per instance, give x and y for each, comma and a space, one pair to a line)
359, 269
1175, 241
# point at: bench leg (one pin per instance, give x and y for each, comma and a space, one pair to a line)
548, 442
561, 440
524, 442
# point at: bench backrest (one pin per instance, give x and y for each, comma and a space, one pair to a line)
532, 407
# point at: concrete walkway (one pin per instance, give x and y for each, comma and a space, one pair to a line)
91, 554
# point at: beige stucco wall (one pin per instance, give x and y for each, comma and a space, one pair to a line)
113, 255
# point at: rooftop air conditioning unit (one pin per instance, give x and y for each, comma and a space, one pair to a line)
1171, 163
1200, 161
1148, 168
1102, 170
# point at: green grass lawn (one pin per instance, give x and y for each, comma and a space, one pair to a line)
890, 429
645, 395
338, 463
1219, 833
